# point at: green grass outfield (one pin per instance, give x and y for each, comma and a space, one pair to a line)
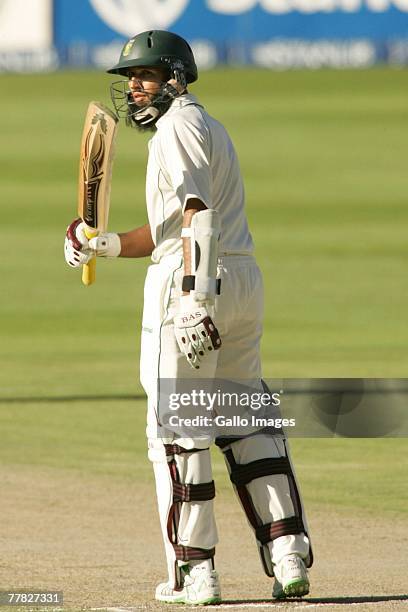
324, 156
106, 438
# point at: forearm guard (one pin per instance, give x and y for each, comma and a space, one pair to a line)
204, 234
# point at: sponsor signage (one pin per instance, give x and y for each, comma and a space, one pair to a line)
277, 34
26, 35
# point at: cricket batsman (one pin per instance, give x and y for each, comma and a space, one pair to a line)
203, 311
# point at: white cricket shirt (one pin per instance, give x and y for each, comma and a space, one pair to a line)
192, 156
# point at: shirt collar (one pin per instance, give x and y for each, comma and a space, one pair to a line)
179, 102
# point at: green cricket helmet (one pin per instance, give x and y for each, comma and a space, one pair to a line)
158, 49
153, 49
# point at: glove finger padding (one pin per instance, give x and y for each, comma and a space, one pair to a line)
76, 234
196, 335
76, 246
209, 334
73, 257
186, 347
79, 250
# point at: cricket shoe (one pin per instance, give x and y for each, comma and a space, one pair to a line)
291, 578
200, 587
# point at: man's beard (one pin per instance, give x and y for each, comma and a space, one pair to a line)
157, 102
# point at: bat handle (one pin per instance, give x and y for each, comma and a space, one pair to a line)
89, 269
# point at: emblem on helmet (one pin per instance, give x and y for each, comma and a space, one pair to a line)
128, 47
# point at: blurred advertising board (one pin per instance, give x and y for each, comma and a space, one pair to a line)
276, 34
270, 33
26, 35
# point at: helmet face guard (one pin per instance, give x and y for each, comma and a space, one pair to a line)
145, 117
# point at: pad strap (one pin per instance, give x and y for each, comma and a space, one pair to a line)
241, 475
175, 449
189, 553
287, 526
193, 492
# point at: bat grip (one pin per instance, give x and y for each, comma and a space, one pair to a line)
89, 269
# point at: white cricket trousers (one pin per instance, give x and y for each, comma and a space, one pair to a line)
238, 316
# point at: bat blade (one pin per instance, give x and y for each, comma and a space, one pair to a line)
95, 173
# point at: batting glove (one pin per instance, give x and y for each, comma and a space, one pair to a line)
79, 250
195, 331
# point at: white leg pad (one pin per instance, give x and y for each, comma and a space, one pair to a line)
190, 525
271, 497
197, 523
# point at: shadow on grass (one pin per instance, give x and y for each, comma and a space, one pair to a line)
71, 398
360, 599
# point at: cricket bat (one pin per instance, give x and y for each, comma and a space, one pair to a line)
95, 173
